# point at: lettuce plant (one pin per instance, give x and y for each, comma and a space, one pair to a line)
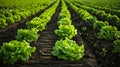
36, 23
15, 51
108, 33
2, 16
117, 35
64, 21
10, 20
68, 50
28, 35
66, 31
99, 24
17, 17
3, 23
64, 14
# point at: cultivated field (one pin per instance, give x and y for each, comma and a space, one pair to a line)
60, 33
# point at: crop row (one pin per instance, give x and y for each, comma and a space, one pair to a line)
65, 48
105, 31
20, 49
100, 14
10, 14
105, 4
106, 9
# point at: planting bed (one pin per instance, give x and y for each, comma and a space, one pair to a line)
97, 52
104, 58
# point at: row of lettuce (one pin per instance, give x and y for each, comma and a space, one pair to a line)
114, 4
105, 31
20, 50
101, 15
13, 11
66, 48
106, 9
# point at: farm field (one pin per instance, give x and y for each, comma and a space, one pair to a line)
60, 33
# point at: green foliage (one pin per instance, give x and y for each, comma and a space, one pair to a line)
64, 21
68, 50
65, 27
100, 13
64, 11
84, 28
13, 11
36, 23
2, 16
8, 14
113, 19
64, 14
23, 15
74, 7
17, 17
89, 19
103, 52
2, 23
28, 35
104, 16
10, 20
99, 24
108, 33
45, 16
116, 46
41, 21
66, 31
86, 16
15, 51
117, 35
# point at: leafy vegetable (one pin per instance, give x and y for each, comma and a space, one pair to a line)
86, 16
10, 20
101, 14
28, 35
99, 24
64, 21
36, 23
15, 51
68, 50
107, 32
113, 19
2, 23
64, 14
64, 11
117, 35
66, 31
17, 17
23, 14
8, 14
2, 16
